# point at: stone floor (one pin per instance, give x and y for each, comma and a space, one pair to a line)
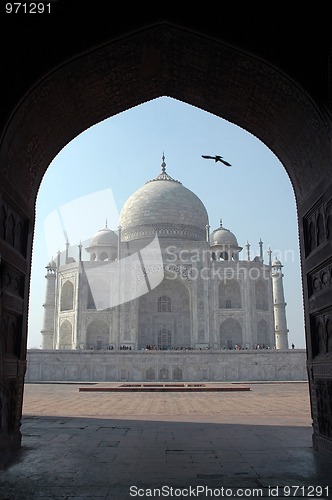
108, 445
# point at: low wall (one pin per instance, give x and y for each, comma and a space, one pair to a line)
135, 366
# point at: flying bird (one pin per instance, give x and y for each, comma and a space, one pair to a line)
217, 158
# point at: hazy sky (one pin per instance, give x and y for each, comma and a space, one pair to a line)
91, 178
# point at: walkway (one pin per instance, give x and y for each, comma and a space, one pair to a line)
115, 445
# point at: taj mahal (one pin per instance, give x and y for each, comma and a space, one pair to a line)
164, 280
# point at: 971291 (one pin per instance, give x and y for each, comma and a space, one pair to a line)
27, 8
296, 491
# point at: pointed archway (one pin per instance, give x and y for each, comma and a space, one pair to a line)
167, 61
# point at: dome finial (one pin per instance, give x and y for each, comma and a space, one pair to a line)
163, 176
106, 224
163, 165
220, 222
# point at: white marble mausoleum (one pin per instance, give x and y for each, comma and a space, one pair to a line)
164, 280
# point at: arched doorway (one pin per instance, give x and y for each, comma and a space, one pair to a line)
164, 319
263, 333
66, 335
240, 88
97, 335
230, 334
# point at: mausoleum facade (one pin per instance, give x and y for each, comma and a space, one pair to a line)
164, 280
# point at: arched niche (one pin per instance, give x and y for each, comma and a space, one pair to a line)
97, 334
66, 335
230, 333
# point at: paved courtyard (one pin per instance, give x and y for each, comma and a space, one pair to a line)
110, 445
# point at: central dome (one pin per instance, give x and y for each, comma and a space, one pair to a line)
163, 206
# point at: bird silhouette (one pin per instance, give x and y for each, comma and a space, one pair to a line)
217, 158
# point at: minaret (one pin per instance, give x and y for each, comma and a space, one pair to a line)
49, 307
67, 249
248, 250
279, 304
261, 250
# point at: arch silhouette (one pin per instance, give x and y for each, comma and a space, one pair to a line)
240, 87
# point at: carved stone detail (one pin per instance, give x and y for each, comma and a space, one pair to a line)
320, 278
236, 315
323, 389
69, 318
321, 332
102, 317
167, 230
13, 227
10, 326
322, 370
314, 227
183, 271
11, 280
317, 224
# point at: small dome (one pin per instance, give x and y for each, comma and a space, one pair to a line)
104, 238
223, 236
51, 264
276, 263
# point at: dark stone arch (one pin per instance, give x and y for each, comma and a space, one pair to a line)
241, 88
238, 84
